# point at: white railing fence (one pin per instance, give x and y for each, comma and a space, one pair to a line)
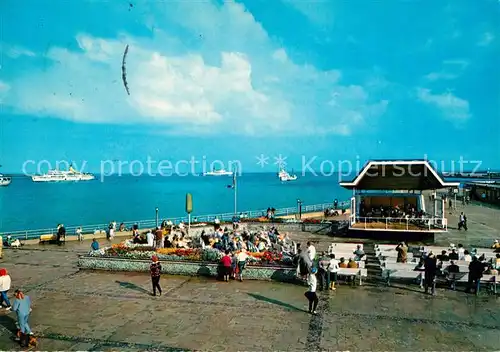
401, 223
150, 223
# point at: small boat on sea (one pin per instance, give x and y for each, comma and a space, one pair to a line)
4, 180
284, 176
63, 176
221, 172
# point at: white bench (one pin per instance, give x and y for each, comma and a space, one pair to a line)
359, 273
346, 255
492, 280
389, 274
392, 254
394, 260
488, 252
411, 266
343, 245
462, 277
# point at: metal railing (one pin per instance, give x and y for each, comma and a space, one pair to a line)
150, 223
408, 224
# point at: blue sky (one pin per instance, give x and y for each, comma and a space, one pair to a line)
332, 79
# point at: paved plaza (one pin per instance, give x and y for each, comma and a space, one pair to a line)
80, 310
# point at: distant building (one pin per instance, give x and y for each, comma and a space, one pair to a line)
484, 192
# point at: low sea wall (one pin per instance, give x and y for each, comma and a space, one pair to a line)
325, 228
308, 211
185, 268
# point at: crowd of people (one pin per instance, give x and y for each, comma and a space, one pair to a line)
166, 236
445, 265
405, 212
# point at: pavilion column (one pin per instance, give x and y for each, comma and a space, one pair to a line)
443, 204
434, 196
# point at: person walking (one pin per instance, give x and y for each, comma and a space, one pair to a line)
5, 282
462, 221
430, 270
155, 270
311, 295
22, 308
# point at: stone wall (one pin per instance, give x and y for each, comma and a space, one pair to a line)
276, 273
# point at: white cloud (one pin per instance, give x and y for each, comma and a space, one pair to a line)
461, 63
237, 80
452, 69
486, 39
280, 55
4, 88
442, 75
15, 52
451, 106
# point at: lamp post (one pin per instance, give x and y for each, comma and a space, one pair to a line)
235, 189
299, 208
156, 218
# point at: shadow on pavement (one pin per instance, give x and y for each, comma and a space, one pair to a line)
131, 286
276, 302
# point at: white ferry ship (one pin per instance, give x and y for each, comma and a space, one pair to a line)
220, 172
4, 180
285, 176
63, 176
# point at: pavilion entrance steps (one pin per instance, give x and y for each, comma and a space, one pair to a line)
372, 264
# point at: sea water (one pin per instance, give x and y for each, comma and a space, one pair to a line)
33, 205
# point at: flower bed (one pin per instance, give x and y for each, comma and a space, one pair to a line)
186, 268
264, 219
314, 221
128, 250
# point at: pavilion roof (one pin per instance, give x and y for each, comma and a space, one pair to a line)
398, 175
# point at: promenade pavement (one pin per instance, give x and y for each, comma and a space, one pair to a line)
103, 311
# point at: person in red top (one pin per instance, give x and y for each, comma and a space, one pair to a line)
155, 269
226, 262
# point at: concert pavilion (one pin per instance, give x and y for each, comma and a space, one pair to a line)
398, 196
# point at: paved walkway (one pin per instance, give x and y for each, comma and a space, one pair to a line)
483, 223
113, 311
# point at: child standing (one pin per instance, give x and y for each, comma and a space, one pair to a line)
155, 269
226, 262
311, 295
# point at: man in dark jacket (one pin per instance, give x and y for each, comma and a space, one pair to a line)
304, 263
453, 254
61, 234
476, 269
430, 269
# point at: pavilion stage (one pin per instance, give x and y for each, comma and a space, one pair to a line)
389, 202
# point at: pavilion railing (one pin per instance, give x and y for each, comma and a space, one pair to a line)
401, 223
150, 223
